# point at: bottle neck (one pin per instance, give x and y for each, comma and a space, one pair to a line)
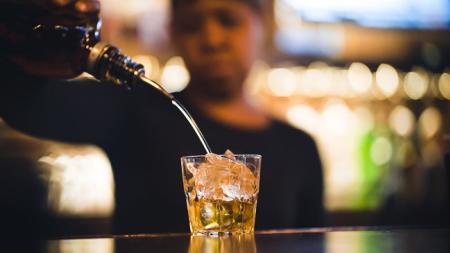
107, 63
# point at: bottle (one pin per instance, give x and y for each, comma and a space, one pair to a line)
105, 62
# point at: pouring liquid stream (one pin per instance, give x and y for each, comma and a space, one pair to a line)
183, 111
194, 125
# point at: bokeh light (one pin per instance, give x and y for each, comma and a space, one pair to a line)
131, 9
365, 118
175, 77
341, 86
381, 151
324, 81
304, 117
257, 79
444, 85
415, 85
306, 85
402, 120
430, 122
336, 117
313, 81
387, 80
360, 77
342, 176
150, 63
281, 82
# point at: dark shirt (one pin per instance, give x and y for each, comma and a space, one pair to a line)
144, 137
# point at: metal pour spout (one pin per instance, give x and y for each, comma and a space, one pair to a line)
107, 63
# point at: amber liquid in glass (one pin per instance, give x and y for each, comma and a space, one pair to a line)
221, 217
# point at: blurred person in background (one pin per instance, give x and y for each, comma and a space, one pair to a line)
219, 41
142, 134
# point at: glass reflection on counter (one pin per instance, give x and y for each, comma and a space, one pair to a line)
81, 245
234, 244
387, 241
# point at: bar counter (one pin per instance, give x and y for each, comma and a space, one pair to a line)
330, 240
